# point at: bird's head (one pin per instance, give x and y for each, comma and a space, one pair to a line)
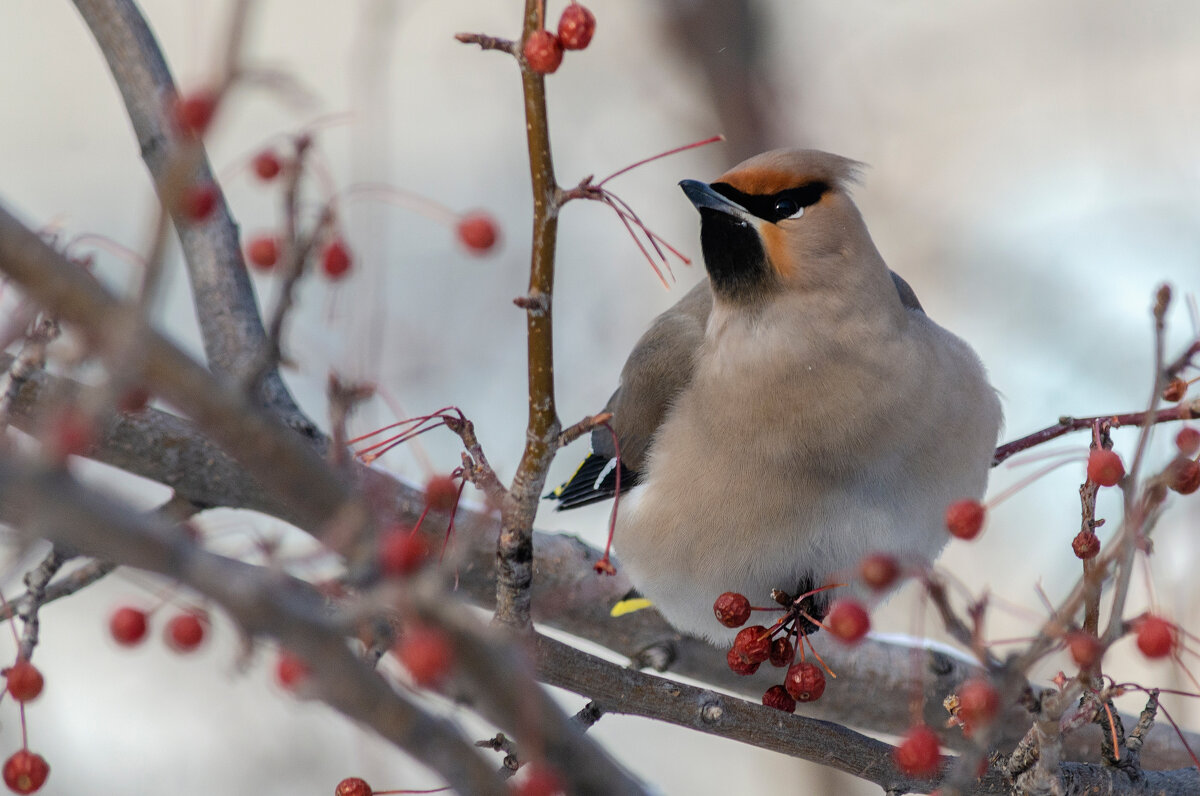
783, 220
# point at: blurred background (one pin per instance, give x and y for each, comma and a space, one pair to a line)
1033, 173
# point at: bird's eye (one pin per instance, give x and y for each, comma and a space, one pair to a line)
787, 207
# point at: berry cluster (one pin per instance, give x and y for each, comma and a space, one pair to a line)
24, 771
184, 632
543, 50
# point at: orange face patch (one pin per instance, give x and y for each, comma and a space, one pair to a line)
761, 182
779, 254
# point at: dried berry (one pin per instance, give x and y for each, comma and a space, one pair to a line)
543, 52
978, 702
805, 682
1156, 637
1188, 440
732, 609
964, 518
1175, 390
24, 681
427, 654
777, 697
848, 621
576, 27
917, 755
753, 644
266, 165
1104, 467
879, 571
782, 652
25, 772
477, 231
128, 626
1184, 476
353, 786
1086, 544
263, 251
738, 665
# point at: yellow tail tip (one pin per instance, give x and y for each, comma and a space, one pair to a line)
629, 606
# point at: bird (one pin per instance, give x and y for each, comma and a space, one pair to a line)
794, 412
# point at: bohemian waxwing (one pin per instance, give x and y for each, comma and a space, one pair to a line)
791, 414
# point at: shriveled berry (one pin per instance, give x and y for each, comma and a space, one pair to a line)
1188, 440
848, 621
576, 27
739, 665
290, 670
753, 644
185, 632
263, 251
964, 518
777, 697
25, 772
543, 52
24, 681
879, 571
128, 626
1104, 467
782, 652
1086, 544
477, 231
401, 552
353, 786
540, 780
1184, 475
335, 261
427, 654
1085, 648
917, 755
197, 202
441, 493
732, 609
194, 112
1156, 637
1175, 390
805, 682
266, 165
978, 701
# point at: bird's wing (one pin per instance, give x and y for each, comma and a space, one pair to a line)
658, 368
907, 297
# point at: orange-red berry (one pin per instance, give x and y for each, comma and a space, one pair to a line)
25, 772
335, 260
195, 112
197, 202
1104, 467
1156, 637
978, 701
266, 165
918, 755
263, 251
1086, 544
128, 626
777, 697
1188, 440
732, 609
805, 682
427, 654
879, 571
1085, 648
576, 27
848, 621
964, 518
543, 52
1175, 390
477, 231
441, 492
401, 552
353, 786
185, 632
539, 779
290, 670
24, 681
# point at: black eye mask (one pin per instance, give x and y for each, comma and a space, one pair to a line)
777, 206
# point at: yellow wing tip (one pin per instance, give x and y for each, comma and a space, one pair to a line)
629, 606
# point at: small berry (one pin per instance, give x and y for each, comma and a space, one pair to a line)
804, 682
879, 571
25, 772
194, 112
782, 652
1184, 475
1085, 648
290, 671
72, 433
441, 493
732, 609
1155, 637
540, 780
353, 786
134, 400
401, 552
1104, 467
24, 681
777, 697
263, 251
752, 644
964, 519
266, 165
128, 626
198, 201
917, 755
576, 27
427, 654
1175, 390
185, 632
1086, 544
543, 52
848, 621
335, 261
739, 665
1188, 440
978, 702
477, 231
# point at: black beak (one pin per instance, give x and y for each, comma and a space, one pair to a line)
704, 197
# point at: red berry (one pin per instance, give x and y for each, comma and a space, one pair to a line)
804, 682
1188, 440
1086, 544
1085, 648
1104, 467
335, 261
290, 671
477, 231
540, 780
752, 644
72, 433
128, 626
185, 632
576, 27
198, 201
848, 621
194, 112
266, 165
964, 518
732, 609
1155, 636
353, 786
978, 701
543, 52
782, 652
738, 665
879, 571
917, 755
441, 493
1184, 476
134, 400
427, 654
24, 681
777, 697
25, 772
401, 552
263, 251
1175, 390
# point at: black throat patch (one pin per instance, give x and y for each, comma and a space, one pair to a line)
734, 256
